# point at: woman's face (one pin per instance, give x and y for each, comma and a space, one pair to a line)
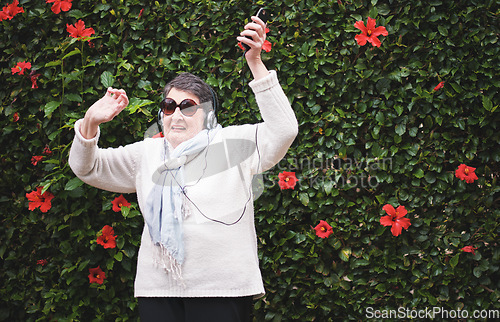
177, 127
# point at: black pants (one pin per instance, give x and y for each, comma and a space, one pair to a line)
209, 309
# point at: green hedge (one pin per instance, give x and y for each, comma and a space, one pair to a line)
373, 131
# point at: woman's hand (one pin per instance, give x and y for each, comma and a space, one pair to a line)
257, 31
102, 111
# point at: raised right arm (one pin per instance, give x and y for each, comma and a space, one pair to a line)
112, 169
108, 169
102, 111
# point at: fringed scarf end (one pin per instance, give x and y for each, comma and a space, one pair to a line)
165, 260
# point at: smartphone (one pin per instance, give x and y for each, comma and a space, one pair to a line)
262, 14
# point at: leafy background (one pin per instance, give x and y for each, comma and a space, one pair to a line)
372, 132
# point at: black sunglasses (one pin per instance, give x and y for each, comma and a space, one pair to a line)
168, 106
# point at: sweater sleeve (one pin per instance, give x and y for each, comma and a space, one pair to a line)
112, 169
276, 134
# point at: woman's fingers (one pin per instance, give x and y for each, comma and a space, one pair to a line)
113, 102
255, 28
115, 93
257, 25
120, 98
256, 31
122, 101
259, 21
256, 39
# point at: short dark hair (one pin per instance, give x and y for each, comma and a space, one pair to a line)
190, 83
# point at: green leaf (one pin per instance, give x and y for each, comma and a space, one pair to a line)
487, 103
380, 288
400, 129
304, 198
328, 186
125, 211
74, 97
399, 109
384, 9
118, 256
457, 87
454, 260
477, 272
380, 117
53, 63
373, 12
76, 13
443, 30
345, 285
125, 65
357, 17
430, 177
361, 108
144, 84
107, 79
345, 253
71, 53
73, 184
137, 103
50, 107
419, 173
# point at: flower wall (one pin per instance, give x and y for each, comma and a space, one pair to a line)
388, 198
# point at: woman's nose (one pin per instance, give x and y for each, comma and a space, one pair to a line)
177, 113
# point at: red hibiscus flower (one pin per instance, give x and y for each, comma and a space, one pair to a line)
120, 202
15, 118
10, 10
21, 67
79, 31
369, 33
107, 238
466, 173
96, 275
439, 86
323, 229
46, 150
33, 78
287, 180
42, 262
470, 249
59, 5
395, 219
37, 199
35, 159
267, 46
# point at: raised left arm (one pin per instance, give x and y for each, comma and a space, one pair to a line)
257, 31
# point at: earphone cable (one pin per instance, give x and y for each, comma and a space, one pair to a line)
183, 188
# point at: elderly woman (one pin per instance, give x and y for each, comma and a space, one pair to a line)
198, 255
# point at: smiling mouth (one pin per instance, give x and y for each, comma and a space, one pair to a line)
178, 128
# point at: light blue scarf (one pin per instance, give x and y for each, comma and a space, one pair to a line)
164, 211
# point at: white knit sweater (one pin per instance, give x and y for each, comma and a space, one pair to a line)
221, 260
